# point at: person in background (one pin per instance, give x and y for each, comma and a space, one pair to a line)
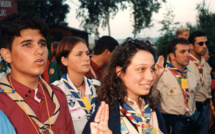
31, 105
54, 70
200, 68
183, 33
177, 88
101, 56
74, 61
127, 88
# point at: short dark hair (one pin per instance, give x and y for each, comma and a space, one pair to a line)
12, 25
195, 34
105, 42
174, 42
64, 48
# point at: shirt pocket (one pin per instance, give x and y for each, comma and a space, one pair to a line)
175, 97
79, 118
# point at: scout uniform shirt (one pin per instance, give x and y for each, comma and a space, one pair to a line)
172, 97
128, 128
79, 116
204, 91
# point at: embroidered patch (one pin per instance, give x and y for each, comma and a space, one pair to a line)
51, 71
70, 100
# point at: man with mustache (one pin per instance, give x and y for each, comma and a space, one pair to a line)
198, 47
177, 88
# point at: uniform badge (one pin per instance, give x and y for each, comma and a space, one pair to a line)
51, 71
171, 91
70, 100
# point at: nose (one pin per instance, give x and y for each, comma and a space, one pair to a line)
87, 57
150, 75
39, 49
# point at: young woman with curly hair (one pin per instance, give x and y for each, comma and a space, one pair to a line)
127, 88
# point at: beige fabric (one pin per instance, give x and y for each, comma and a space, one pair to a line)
172, 97
204, 91
29, 111
129, 126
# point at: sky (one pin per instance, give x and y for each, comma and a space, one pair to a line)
121, 25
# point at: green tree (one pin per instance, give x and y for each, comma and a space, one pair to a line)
52, 11
95, 13
142, 11
168, 29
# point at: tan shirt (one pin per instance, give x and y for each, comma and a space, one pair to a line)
204, 91
129, 126
172, 97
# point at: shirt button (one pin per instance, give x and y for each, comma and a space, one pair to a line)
29, 91
26, 95
79, 117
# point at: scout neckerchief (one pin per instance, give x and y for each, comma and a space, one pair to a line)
135, 117
200, 67
5, 85
182, 80
83, 101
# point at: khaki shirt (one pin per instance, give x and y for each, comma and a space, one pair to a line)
204, 91
172, 97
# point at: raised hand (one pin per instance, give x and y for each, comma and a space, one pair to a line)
100, 124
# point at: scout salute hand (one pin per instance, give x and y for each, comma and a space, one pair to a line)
100, 124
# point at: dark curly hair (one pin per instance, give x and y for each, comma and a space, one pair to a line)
112, 88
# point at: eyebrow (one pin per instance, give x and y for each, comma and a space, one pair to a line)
25, 41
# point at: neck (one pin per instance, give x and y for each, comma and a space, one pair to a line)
76, 78
179, 67
29, 81
197, 56
99, 60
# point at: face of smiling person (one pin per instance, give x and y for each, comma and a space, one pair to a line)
78, 59
139, 74
29, 54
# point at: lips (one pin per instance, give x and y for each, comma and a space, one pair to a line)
40, 61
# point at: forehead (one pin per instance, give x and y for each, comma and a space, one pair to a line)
79, 46
142, 57
182, 46
200, 38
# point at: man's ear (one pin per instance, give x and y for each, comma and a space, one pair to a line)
171, 56
107, 52
6, 55
191, 46
118, 70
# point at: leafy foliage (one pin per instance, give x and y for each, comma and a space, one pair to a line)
95, 13
168, 28
52, 11
142, 13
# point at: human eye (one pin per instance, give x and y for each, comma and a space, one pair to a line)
26, 44
79, 54
141, 69
43, 44
153, 69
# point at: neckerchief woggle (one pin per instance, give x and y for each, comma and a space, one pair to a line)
88, 111
182, 80
137, 117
